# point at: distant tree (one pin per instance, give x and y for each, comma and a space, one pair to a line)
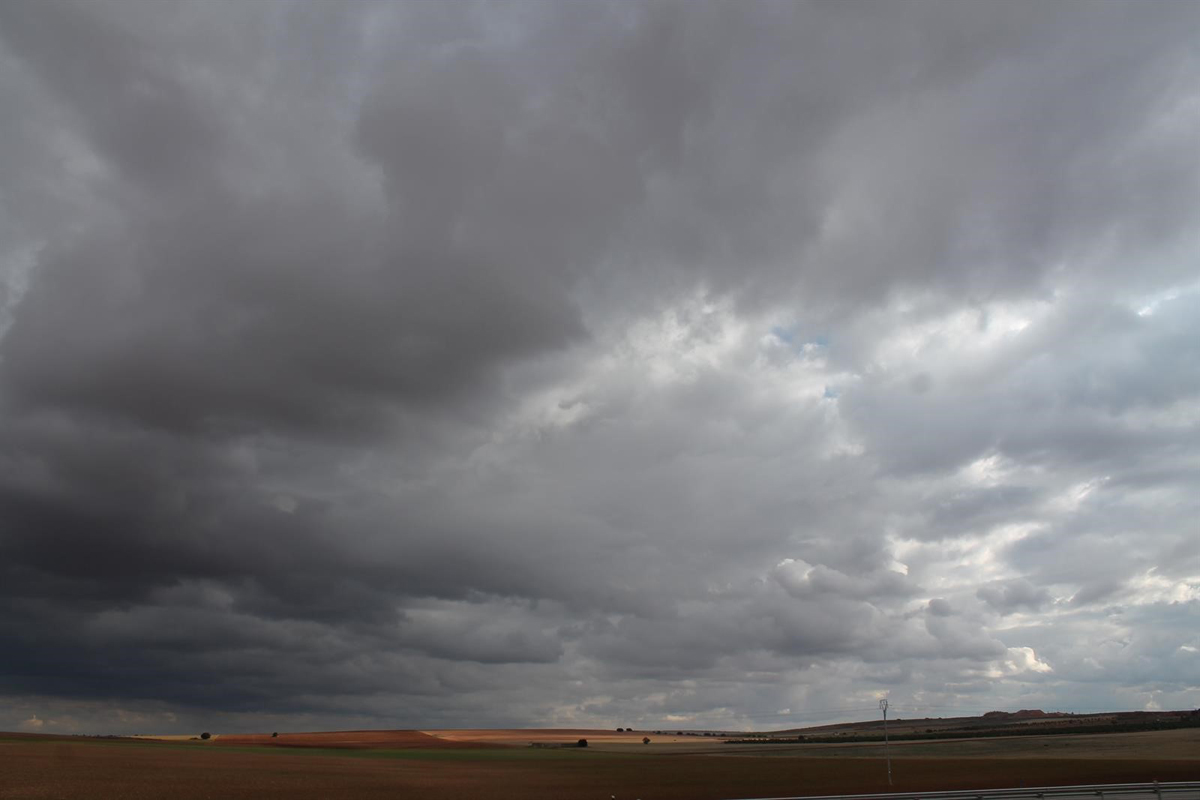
206, 735
645, 740
275, 735
581, 743
620, 730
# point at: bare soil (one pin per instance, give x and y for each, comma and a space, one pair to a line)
356, 740
67, 767
597, 738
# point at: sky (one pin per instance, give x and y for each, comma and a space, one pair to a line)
710, 365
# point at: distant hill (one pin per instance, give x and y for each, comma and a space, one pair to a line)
992, 723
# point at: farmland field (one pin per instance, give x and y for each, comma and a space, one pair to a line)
502, 765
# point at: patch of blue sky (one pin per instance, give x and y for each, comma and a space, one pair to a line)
786, 335
790, 335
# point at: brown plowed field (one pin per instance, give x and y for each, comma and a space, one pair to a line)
102, 769
522, 737
362, 740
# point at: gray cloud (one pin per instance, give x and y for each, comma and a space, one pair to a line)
594, 364
1012, 595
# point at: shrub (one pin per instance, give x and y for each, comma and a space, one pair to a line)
581, 743
645, 740
206, 735
275, 735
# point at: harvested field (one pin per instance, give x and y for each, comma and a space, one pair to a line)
358, 740
1170, 744
597, 738
69, 767
1150, 745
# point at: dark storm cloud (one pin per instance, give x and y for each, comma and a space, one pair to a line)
590, 362
127, 97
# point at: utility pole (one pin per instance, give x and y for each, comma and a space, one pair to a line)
883, 704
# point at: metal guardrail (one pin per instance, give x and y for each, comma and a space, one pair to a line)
1161, 791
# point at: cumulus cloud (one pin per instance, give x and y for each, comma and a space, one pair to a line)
375, 365
1012, 595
